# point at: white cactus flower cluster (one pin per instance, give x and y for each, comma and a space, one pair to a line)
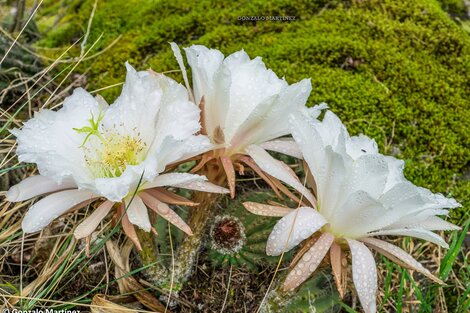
123, 155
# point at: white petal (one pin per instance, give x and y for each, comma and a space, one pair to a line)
172, 151
434, 223
252, 129
291, 98
171, 179
101, 102
361, 192
88, 225
204, 64
117, 188
251, 85
308, 139
274, 168
211, 80
187, 181
288, 147
46, 210
313, 138
364, 275
267, 120
359, 214
34, 186
178, 117
179, 58
417, 233
395, 175
202, 185
395, 251
135, 111
309, 262
429, 222
156, 109
137, 213
403, 197
369, 173
266, 210
361, 145
292, 229
330, 181
312, 113
50, 141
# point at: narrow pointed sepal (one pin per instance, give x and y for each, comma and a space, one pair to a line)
230, 172
392, 251
309, 262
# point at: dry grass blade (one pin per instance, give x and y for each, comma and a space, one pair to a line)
19, 34
48, 271
102, 305
128, 284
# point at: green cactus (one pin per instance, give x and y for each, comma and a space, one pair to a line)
158, 251
318, 294
250, 250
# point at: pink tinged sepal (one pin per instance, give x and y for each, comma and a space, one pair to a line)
266, 210
88, 225
393, 252
186, 181
165, 211
338, 268
34, 186
230, 172
51, 207
292, 229
364, 275
278, 170
309, 262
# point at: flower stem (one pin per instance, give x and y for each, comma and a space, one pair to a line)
199, 220
157, 272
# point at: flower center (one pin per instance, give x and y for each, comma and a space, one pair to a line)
108, 152
110, 156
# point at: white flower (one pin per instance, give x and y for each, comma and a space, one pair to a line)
244, 110
89, 150
361, 194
